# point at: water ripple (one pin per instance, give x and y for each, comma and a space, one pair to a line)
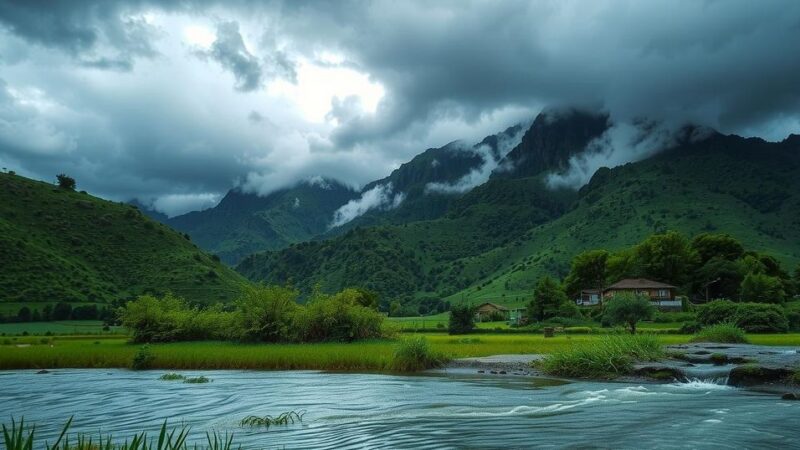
346, 411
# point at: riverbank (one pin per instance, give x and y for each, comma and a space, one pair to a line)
376, 355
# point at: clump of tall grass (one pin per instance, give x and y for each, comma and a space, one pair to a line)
268, 421
22, 437
608, 357
143, 359
723, 333
414, 354
197, 380
172, 376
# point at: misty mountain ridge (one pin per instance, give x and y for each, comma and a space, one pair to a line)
495, 240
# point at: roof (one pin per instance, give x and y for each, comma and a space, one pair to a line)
639, 283
500, 307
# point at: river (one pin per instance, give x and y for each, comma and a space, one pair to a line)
386, 411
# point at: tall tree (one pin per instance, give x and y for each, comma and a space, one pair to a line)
666, 257
548, 297
65, 181
762, 288
708, 245
588, 271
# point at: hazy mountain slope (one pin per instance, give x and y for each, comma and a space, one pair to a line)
244, 223
436, 178
746, 187
63, 245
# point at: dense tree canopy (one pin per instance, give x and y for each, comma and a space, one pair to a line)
548, 298
588, 270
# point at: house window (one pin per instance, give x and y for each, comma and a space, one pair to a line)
663, 293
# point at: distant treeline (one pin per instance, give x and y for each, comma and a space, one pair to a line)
708, 266
60, 311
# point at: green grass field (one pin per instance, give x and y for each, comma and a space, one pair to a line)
111, 352
58, 328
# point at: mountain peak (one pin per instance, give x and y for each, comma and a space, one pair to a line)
553, 137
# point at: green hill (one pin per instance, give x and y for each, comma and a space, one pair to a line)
495, 241
61, 245
244, 223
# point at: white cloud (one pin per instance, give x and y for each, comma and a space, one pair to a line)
382, 196
620, 144
480, 174
175, 204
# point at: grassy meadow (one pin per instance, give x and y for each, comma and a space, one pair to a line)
376, 355
58, 328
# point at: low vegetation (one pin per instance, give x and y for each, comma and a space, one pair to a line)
172, 376
723, 333
608, 357
23, 437
268, 421
197, 380
414, 354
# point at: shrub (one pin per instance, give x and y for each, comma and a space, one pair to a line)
723, 333
170, 319
413, 354
761, 318
143, 359
628, 309
609, 357
717, 311
338, 317
690, 328
265, 314
462, 319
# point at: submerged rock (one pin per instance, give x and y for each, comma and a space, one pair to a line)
43, 371
790, 396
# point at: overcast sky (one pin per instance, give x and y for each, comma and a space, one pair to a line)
176, 102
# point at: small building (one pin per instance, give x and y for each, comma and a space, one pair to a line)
487, 311
589, 297
660, 294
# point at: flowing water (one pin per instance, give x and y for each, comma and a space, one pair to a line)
386, 411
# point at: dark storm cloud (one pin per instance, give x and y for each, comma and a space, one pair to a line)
727, 64
449, 69
82, 29
229, 50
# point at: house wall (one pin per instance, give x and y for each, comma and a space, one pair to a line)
652, 293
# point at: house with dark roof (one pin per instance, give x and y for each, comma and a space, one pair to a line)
487, 311
660, 294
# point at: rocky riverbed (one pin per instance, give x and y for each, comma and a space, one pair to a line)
756, 367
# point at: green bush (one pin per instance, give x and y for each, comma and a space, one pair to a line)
339, 317
723, 333
761, 318
609, 357
717, 311
462, 319
414, 354
265, 314
170, 319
